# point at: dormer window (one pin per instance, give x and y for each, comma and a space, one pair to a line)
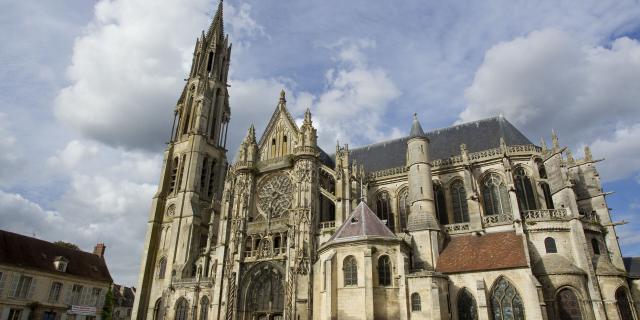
60, 263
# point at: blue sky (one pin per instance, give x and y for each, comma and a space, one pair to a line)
88, 87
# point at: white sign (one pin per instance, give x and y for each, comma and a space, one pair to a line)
83, 310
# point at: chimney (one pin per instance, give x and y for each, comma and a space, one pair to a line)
98, 250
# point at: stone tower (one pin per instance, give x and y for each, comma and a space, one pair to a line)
180, 231
422, 222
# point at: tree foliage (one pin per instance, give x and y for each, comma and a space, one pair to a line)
67, 245
107, 308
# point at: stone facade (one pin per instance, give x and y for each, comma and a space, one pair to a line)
471, 222
42, 280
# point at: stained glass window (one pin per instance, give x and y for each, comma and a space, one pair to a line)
158, 310
182, 309
550, 245
622, 302
568, 305
495, 196
415, 302
384, 271
467, 309
441, 207
162, 267
524, 190
403, 207
459, 199
350, 269
383, 208
204, 308
506, 303
548, 199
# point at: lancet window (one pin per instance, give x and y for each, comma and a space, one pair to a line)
384, 271
383, 208
350, 269
441, 205
506, 303
466, 306
495, 195
459, 199
524, 190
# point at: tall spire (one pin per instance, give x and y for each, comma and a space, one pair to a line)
218, 22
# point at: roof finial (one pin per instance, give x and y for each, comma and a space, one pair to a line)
416, 128
587, 153
554, 140
282, 94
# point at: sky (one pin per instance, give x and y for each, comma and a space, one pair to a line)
87, 90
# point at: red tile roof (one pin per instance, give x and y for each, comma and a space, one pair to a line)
362, 224
465, 253
27, 252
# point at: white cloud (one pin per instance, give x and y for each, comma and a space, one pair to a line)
550, 78
621, 152
11, 155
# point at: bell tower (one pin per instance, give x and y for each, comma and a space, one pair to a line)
181, 233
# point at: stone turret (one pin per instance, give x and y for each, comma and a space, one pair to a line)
422, 222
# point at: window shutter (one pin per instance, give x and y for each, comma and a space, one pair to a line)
14, 285
32, 288
101, 299
84, 296
67, 294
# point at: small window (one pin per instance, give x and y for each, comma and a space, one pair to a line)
210, 62
596, 246
95, 297
76, 294
415, 302
15, 314
162, 267
550, 245
174, 173
350, 268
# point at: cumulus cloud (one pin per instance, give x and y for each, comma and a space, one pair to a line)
11, 155
584, 92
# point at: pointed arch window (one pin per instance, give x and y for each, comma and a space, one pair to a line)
403, 207
210, 62
542, 171
459, 199
548, 199
212, 184
524, 190
383, 208
568, 305
466, 306
441, 206
416, 304
284, 145
495, 195
384, 271
162, 267
174, 173
506, 303
596, 246
350, 269
550, 245
187, 114
204, 308
181, 172
182, 309
622, 302
203, 173
158, 310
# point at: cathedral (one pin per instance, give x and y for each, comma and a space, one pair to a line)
468, 222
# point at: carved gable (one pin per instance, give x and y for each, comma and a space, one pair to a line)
281, 134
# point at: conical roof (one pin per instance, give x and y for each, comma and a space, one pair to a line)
362, 224
416, 128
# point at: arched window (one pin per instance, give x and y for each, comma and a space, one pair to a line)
467, 309
273, 147
548, 199
284, 145
187, 114
162, 267
524, 190
384, 271
403, 207
441, 207
596, 246
174, 174
182, 309
495, 195
203, 174
415, 302
542, 172
568, 305
383, 208
210, 61
459, 199
506, 302
350, 269
222, 68
204, 308
181, 172
550, 245
622, 302
158, 310
212, 175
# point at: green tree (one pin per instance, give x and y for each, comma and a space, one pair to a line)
107, 309
67, 245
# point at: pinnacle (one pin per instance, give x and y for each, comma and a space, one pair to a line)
416, 128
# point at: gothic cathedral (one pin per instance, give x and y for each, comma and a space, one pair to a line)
468, 222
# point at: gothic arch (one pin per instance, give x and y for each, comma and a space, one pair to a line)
623, 304
567, 300
459, 200
262, 290
385, 270
505, 298
466, 305
495, 195
403, 205
524, 185
440, 202
182, 309
383, 207
158, 310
